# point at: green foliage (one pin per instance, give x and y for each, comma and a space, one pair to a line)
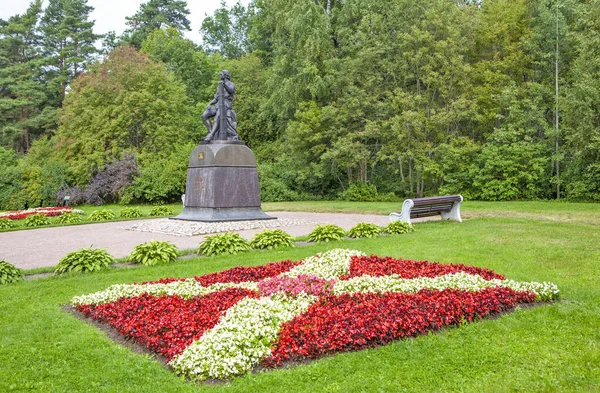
227, 30
398, 227
9, 273
69, 218
84, 260
272, 238
102, 215
161, 211
36, 220
223, 243
131, 212
326, 233
364, 229
360, 192
6, 223
153, 253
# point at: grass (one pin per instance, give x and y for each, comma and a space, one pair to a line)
554, 347
89, 209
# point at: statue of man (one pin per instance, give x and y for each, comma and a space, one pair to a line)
215, 131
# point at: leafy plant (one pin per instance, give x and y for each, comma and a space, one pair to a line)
326, 233
9, 273
223, 243
69, 218
102, 215
272, 238
364, 229
131, 212
6, 223
161, 211
84, 260
398, 227
153, 253
36, 220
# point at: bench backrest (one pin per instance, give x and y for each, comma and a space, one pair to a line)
432, 206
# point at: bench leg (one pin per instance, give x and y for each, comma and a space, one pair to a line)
454, 213
404, 215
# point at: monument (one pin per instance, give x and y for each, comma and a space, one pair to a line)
222, 180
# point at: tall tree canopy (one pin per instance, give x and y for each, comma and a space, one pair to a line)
156, 14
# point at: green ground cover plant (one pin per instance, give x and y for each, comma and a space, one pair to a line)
272, 238
547, 348
398, 228
86, 260
131, 212
9, 273
37, 220
326, 233
153, 253
102, 215
364, 229
69, 218
161, 211
5, 223
223, 243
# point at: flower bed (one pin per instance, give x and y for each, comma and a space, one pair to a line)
224, 324
46, 211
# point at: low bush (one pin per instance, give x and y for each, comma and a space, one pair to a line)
9, 273
326, 233
272, 238
84, 260
223, 243
131, 212
161, 211
364, 229
102, 215
37, 220
69, 218
398, 227
6, 223
154, 253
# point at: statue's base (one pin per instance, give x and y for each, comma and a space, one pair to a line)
222, 184
221, 214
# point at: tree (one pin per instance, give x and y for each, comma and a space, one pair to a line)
188, 63
23, 98
156, 14
68, 42
227, 31
128, 103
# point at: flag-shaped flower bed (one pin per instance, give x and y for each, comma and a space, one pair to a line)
225, 324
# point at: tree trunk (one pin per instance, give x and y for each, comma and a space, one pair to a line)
410, 175
402, 177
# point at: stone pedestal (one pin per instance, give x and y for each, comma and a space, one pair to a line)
222, 184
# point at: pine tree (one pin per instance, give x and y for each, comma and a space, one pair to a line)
156, 14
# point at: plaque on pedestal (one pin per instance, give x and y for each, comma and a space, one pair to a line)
222, 184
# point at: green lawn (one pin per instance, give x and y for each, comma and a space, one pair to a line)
554, 347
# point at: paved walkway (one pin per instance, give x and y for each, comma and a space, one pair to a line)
42, 247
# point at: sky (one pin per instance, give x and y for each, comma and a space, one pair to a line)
110, 14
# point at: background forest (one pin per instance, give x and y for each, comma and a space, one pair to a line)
353, 99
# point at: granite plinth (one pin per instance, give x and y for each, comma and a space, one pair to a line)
222, 184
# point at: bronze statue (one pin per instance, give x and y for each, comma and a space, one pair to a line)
225, 126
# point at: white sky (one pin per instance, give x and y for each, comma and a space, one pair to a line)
110, 14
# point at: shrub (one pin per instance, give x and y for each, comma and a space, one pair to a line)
364, 229
9, 273
223, 243
36, 220
161, 211
398, 227
272, 239
102, 215
84, 260
69, 218
153, 253
6, 223
360, 192
131, 212
326, 233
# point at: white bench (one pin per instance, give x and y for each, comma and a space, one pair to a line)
446, 206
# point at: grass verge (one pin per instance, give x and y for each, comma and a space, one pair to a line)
550, 348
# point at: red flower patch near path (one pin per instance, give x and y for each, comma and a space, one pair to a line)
406, 268
351, 322
166, 324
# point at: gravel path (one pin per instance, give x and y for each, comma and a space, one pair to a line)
42, 247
